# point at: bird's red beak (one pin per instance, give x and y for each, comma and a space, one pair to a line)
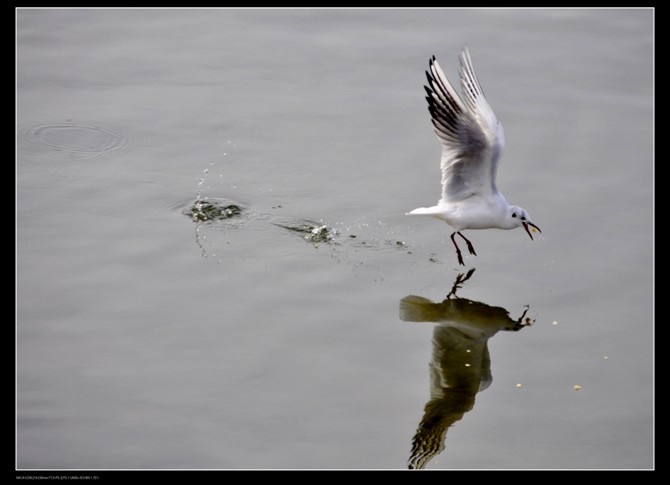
525, 226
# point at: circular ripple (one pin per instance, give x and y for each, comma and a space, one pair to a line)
76, 140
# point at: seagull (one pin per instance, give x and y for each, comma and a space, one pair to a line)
472, 141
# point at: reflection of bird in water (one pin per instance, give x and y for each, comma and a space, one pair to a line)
460, 366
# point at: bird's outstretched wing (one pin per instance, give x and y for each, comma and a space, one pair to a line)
472, 138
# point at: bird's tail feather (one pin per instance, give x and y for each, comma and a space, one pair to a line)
425, 211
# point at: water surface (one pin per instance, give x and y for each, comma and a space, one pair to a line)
148, 339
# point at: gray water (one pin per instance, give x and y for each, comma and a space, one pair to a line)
146, 339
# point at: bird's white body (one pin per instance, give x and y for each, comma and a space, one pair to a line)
471, 214
472, 142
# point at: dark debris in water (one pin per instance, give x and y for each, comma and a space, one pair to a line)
210, 210
207, 211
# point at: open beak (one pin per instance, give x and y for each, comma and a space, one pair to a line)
525, 226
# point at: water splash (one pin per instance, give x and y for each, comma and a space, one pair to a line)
205, 210
311, 232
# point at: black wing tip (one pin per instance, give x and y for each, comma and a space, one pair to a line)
432, 79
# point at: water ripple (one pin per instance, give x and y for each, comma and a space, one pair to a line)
74, 141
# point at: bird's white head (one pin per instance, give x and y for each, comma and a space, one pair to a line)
518, 217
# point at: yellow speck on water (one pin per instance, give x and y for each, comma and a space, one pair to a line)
577, 387
519, 385
555, 322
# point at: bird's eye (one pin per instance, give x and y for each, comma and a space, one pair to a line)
513, 214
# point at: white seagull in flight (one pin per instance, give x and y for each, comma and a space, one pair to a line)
472, 142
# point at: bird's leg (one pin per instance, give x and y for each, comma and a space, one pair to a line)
471, 248
458, 251
468, 275
458, 284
